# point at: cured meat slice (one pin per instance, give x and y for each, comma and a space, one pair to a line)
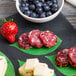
72, 56
34, 38
34, 33
23, 41
48, 38
62, 58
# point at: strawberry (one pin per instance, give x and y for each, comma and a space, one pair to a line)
8, 30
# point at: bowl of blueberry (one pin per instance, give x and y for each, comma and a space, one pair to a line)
39, 11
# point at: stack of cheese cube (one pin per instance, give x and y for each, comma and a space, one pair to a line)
33, 67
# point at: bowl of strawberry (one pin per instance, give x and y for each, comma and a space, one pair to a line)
39, 11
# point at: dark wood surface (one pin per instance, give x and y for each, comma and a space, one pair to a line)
7, 8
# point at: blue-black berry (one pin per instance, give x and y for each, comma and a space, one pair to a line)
49, 13
32, 7
43, 15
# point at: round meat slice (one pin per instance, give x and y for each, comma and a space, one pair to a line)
72, 56
48, 38
34, 38
34, 33
62, 58
23, 41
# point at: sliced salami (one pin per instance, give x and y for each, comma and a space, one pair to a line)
34, 38
62, 58
72, 56
48, 38
23, 41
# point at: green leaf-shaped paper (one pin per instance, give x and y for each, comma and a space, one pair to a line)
10, 69
22, 62
67, 71
39, 51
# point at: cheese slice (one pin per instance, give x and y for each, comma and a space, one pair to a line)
41, 69
3, 66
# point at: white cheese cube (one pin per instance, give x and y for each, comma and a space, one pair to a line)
50, 72
28, 68
31, 63
22, 70
41, 69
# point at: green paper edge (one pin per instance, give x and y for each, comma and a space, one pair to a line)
39, 51
67, 71
22, 62
10, 68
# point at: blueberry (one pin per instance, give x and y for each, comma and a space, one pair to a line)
22, 10
27, 4
25, 8
49, 3
39, 4
24, 1
27, 13
36, 1
54, 8
46, 7
32, 7
49, 13
44, 4
43, 15
31, 0
54, 1
39, 10
22, 5
33, 14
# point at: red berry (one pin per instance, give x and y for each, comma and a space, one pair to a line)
9, 30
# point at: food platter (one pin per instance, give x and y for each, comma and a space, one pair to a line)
60, 26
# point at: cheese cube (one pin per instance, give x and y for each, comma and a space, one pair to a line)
28, 68
22, 70
41, 69
50, 72
31, 63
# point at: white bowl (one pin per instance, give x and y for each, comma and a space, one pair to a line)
41, 20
